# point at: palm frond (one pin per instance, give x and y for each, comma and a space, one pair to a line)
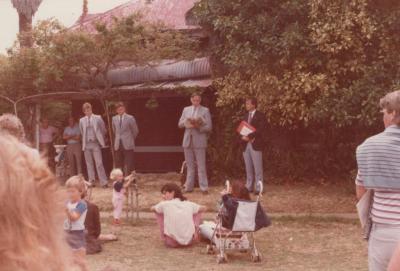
26, 7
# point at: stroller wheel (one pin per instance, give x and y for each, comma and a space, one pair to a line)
210, 249
222, 258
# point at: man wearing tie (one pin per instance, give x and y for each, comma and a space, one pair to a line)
196, 120
93, 132
125, 130
252, 145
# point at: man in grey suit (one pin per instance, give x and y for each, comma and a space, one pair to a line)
93, 132
252, 146
125, 130
196, 120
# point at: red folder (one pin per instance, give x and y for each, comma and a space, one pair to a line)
245, 128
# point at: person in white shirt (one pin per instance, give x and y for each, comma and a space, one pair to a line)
47, 135
177, 217
72, 135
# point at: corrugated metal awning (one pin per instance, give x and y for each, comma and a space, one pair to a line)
201, 83
166, 71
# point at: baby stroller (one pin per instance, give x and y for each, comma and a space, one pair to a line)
237, 233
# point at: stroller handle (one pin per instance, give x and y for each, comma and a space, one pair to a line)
261, 185
227, 185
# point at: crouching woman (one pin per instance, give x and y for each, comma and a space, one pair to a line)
177, 217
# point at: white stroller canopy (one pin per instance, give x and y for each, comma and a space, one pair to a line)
245, 219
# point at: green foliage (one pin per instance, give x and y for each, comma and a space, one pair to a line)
78, 56
315, 66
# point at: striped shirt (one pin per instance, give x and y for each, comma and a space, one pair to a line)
378, 160
385, 206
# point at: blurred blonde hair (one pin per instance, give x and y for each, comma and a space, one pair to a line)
115, 173
31, 213
11, 124
77, 182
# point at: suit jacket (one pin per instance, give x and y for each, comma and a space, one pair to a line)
126, 133
99, 129
198, 136
259, 122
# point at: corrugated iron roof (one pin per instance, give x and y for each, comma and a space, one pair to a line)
172, 71
172, 13
202, 83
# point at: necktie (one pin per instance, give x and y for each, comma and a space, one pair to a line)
120, 122
250, 117
194, 112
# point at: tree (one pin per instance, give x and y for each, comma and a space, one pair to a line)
317, 67
26, 10
85, 59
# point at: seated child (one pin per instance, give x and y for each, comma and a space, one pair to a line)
94, 237
119, 186
74, 225
93, 228
177, 217
237, 191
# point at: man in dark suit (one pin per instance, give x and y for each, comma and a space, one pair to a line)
253, 144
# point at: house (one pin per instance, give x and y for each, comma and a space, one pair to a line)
156, 95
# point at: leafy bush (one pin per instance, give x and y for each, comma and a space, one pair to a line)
318, 69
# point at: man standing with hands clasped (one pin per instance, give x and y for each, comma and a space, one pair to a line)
252, 145
125, 130
196, 120
93, 132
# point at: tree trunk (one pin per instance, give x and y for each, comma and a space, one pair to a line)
25, 30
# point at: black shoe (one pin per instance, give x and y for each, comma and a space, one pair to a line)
205, 192
105, 186
256, 193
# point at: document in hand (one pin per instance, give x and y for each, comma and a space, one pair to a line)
244, 128
364, 208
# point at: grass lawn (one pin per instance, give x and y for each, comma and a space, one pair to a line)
289, 244
293, 198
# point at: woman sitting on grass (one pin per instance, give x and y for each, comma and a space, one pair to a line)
177, 217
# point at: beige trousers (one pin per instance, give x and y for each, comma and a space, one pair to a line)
381, 245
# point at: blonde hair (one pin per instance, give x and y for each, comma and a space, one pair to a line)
115, 173
31, 212
11, 124
391, 102
77, 182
